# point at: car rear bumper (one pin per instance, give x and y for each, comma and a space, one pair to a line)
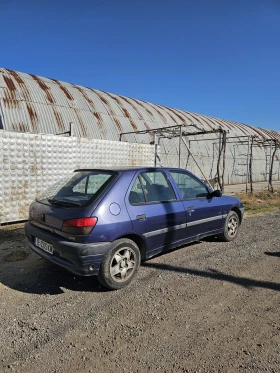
81, 259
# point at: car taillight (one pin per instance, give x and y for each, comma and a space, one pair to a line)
79, 226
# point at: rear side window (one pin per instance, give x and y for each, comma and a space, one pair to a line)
136, 194
80, 189
190, 187
151, 187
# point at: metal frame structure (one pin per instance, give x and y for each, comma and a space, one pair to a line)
250, 141
179, 131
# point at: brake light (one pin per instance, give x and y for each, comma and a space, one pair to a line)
79, 225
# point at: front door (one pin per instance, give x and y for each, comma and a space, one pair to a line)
155, 211
203, 214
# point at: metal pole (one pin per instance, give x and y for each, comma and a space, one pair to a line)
70, 129
247, 175
180, 138
270, 152
251, 165
219, 159
224, 158
155, 142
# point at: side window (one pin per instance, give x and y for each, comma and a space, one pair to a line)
157, 187
136, 194
190, 188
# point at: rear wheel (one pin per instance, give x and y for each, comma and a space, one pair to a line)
119, 264
231, 227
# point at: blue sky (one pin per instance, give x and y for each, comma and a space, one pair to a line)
220, 57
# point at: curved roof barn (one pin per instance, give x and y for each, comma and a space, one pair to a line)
29, 103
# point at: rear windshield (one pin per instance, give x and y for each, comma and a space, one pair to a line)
80, 189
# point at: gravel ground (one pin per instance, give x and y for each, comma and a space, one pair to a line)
207, 307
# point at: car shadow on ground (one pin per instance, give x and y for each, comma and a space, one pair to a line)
46, 278
216, 275
272, 254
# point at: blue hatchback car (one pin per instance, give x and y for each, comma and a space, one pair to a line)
104, 222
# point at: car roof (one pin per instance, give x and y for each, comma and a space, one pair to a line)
128, 168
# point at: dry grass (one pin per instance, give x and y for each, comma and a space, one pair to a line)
261, 201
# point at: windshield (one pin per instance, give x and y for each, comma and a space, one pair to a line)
77, 190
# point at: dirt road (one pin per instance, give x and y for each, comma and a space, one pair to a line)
207, 307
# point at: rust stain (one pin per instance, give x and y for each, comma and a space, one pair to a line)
59, 119
21, 83
240, 126
103, 100
147, 110
159, 113
136, 110
101, 97
222, 124
33, 117
64, 90
110, 109
108, 106
178, 115
82, 125
97, 116
10, 103
134, 107
271, 134
211, 121
225, 124
255, 129
45, 88
118, 124
94, 110
126, 113
99, 123
86, 97
166, 110
10, 99
10, 84
198, 120
20, 127
23, 127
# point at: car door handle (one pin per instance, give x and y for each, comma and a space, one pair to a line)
191, 208
141, 217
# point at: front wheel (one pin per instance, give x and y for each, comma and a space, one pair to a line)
119, 264
231, 227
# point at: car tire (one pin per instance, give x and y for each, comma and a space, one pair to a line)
231, 227
119, 264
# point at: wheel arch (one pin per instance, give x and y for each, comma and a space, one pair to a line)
237, 210
140, 242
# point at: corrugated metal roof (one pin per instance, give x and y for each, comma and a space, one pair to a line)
40, 105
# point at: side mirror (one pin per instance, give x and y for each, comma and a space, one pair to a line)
215, 193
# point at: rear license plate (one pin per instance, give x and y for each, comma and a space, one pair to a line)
44, 245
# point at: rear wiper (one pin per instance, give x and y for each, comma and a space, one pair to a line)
62, 202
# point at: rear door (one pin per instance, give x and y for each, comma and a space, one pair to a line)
203, 214
155, 211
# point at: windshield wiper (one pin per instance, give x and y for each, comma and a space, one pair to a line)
63, 202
